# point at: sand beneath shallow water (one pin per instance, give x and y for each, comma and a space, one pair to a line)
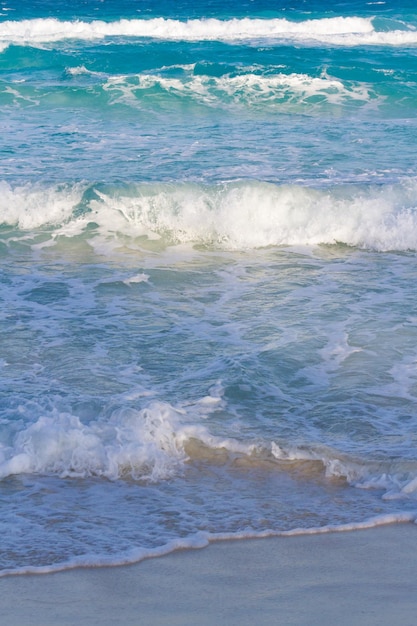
364, 577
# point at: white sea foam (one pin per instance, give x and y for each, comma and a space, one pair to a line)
157, 442
250, 215
249, 89
233, 216
335, 465
144, 444
149, 444
373, 522
135, 555
138, 278
81, 70
397, 479
348, 31
32, 206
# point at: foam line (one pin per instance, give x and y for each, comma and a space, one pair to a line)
347, 31
203, 539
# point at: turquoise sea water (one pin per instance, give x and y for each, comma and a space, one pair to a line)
208, 236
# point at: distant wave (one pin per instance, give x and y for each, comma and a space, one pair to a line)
248, 89
274, 91
236, 215
346, 31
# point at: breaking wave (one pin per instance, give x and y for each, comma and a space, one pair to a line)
279, 90
159, 441
345, 31
232, 216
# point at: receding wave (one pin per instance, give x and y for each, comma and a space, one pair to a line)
202, 539
232, 216
346, 31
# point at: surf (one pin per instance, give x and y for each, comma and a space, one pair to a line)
236, 215
346, 31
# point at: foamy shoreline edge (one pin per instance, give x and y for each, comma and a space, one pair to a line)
202, 539
360, 577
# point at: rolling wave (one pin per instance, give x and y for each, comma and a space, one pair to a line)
274, 91
235, 216
345, 31
158, 442
248, 89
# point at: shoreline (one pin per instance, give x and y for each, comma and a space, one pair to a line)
362, 576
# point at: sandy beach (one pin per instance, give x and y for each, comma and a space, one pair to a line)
361, 577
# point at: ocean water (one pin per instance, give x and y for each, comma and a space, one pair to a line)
208, 237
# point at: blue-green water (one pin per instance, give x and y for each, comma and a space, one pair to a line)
208, 236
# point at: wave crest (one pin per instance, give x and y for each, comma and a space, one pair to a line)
283, 91
336, 30
232, 216
159, 441
141, 444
